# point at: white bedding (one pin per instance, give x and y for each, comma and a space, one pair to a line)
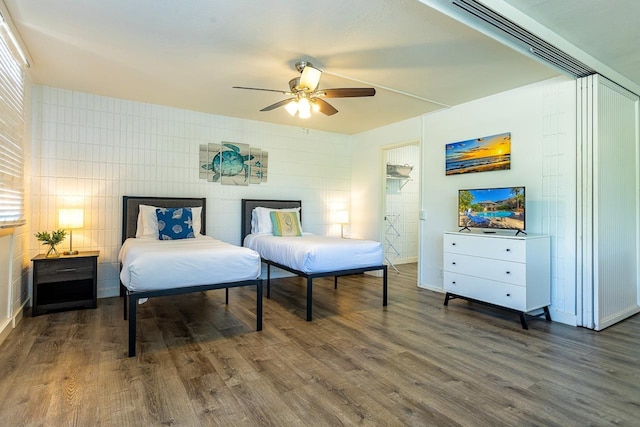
316, 254
149, 264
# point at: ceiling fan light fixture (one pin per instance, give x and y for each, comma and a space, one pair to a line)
310, 77
304, 96
292, 107
304, 108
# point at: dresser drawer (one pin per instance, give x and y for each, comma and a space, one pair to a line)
61, 270
490, 269
502, 294
507, 249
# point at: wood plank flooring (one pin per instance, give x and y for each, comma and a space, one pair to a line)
415, 362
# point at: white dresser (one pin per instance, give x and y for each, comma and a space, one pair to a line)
512, 272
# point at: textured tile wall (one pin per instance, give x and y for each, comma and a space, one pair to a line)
558, 190
88, 151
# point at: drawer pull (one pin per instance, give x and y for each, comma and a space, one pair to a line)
453, 244
453, 263
66, 270
508, 250
508, 272
508, 295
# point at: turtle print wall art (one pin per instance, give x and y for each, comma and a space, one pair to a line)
232, 163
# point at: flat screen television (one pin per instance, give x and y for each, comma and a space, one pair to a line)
492, 209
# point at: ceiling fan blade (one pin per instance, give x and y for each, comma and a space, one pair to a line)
278, 104
324, 106
266, 90
347, 92
310, 77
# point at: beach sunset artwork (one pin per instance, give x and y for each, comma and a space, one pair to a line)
490, 153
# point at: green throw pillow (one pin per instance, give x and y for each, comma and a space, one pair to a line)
285, 223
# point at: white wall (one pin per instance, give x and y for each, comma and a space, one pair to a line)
89, 151
542, 122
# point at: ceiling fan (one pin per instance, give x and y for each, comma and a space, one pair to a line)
305, 95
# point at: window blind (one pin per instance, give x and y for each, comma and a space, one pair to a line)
11, 133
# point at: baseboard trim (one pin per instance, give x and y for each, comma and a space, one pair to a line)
5, 329
562, 317
431, 288
618, 317
10, 324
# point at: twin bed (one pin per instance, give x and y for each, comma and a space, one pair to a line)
154, 268
151, 267
308, 256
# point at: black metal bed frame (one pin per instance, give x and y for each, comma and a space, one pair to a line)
129, 223
247, 207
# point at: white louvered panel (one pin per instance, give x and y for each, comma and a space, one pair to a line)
584, 205
615, 205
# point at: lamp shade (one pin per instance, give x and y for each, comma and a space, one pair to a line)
292, 107
341, 217
310, 78
71, 218
304, 108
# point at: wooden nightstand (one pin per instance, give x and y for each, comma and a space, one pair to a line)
67, 282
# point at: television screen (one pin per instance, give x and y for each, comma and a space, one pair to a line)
498, 208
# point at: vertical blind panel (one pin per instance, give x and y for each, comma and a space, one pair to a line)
617, 209
11, 133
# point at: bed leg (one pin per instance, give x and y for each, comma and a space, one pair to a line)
384, 286
133, 302
226, 296
335, 282
268, 280
309, 298
259, 306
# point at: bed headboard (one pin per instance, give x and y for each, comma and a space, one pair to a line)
249, 204
130, 208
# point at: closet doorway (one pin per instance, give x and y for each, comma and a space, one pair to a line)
401, 204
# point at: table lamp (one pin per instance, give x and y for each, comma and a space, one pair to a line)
71, 218
342, 218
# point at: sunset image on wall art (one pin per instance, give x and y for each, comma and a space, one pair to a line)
489, 153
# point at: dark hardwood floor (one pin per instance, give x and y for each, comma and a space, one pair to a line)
414, 362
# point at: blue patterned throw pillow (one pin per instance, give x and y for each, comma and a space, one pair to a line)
175, 223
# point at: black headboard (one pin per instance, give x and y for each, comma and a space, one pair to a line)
130, 206
249, 204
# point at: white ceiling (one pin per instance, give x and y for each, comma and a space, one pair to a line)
189, 54
607, 30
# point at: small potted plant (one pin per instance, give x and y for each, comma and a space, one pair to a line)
52, 240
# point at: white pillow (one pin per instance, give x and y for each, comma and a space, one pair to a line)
261, 219
148, 221
197, 220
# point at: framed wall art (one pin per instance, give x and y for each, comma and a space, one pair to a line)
231, 163
489, 153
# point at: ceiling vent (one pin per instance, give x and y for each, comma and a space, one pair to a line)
529, 41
